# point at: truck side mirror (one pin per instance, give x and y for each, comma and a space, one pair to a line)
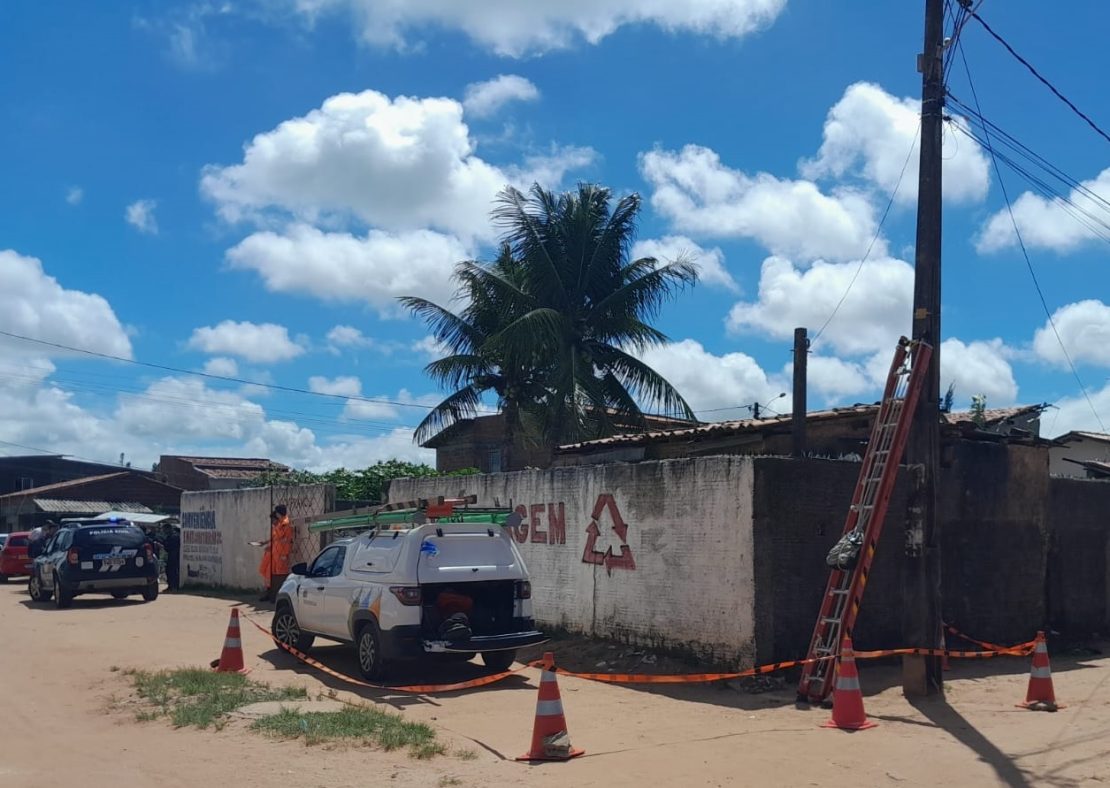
299, 569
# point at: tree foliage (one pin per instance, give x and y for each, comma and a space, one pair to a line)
366, 484
555, 325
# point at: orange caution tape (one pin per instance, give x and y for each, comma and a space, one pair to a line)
980, 643
1022, 649
419, 689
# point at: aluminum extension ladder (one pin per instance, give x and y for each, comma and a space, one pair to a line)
844, 592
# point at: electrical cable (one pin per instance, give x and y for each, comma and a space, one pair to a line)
228, 378
1038, 75
874, 240
1025, 252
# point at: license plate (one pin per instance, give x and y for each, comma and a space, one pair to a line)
113, 563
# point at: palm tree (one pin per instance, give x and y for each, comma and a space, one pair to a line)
472, 369
554, 326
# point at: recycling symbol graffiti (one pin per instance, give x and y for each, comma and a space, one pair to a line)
607, 505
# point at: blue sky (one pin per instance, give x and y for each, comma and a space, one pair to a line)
244, 187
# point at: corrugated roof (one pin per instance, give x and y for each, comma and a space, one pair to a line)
67, 506
137, 517
724, 428
63, 485
1095, 436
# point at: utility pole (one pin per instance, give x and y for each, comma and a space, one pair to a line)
921, 572
801, 356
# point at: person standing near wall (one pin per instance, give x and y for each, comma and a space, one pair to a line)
172, 545
279, 548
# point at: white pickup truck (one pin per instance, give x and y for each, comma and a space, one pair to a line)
440, 588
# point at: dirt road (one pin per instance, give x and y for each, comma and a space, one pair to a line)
61, 725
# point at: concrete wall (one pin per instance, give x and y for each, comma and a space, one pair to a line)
1079, 559
993, 506
681, 577
1078, 448
799, 511
217, 525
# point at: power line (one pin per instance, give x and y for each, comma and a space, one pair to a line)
1038, 75
874, 240
227, 378
1025, 252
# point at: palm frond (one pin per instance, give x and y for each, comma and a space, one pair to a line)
463, 404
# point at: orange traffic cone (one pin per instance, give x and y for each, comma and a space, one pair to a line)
1040, 696
847, 712
231, 658
550, 740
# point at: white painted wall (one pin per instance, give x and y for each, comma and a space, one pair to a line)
217, 525
1078, 448
689, 530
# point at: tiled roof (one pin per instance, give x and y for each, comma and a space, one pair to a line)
1094, 436
724, 428
65, 506
63, 485
232, 467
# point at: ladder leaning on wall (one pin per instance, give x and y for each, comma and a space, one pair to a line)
844, 592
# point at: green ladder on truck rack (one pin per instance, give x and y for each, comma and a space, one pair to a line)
844, 592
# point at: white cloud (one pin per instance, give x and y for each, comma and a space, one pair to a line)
74, 195
1084, 328
483, 99
140, 215
342, 386
837, 379
222, 366
33, 304
700, 195
868, 134
340, 337
431, 347
1050, 224
399, 165
513, 28
980, 367
342, 267
1074, 413
874, 314
710, 262
263, 343
721, 384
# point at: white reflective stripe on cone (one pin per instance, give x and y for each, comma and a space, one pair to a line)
547, 677
848, 683
1041, 648
233, 643
1040, 673
549, 708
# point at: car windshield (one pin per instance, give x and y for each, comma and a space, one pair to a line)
112, 536
17, 541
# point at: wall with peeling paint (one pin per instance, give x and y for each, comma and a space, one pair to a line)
656, 554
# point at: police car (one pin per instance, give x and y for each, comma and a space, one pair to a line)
95, 557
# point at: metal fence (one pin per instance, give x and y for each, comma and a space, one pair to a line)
303, 501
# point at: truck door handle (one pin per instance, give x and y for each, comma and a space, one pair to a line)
320, 588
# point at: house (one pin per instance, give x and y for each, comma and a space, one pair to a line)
123, 490
840, 432
481, 443
1075, 452
37, 470
214, 473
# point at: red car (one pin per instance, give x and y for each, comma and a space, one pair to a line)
14, 560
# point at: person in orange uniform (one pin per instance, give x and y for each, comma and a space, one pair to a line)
275, 560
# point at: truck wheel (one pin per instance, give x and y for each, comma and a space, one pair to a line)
150, 593
287, 630
3, 579
499, 661
37, 592
370, 662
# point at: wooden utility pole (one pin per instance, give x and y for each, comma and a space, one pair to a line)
921, 572
801, 356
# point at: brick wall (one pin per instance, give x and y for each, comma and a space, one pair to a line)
1079, 557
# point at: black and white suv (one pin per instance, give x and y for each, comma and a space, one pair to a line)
446, 588
95, 557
